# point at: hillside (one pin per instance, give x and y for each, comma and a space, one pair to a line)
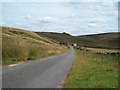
59, 37
21, 45
103, 40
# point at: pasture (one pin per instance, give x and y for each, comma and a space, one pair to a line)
91, 70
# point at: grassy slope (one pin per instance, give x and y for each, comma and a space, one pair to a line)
93, 71
20, 45
106, 40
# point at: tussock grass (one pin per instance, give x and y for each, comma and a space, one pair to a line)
19, 45
93, 71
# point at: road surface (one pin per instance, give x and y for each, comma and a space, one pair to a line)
47, 73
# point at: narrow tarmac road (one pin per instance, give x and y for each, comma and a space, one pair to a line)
47, 73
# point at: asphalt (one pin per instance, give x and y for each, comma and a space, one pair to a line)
47, 73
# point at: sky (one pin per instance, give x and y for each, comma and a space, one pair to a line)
75, 18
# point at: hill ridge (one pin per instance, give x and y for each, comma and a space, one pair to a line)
103, 40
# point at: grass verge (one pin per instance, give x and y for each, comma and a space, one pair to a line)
93, 71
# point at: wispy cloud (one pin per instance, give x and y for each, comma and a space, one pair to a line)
28, 16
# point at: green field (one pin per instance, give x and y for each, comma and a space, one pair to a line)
90, 70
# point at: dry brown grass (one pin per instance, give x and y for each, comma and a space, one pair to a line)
19, 45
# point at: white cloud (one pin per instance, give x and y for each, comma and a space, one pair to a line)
47, 19
109, 3
2, 23
28, 16
92, 24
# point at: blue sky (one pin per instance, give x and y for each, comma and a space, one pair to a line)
76, 18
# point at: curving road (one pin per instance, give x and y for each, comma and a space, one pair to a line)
47, 73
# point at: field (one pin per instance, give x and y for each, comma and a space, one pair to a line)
92, 70
99, 50
20, 45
